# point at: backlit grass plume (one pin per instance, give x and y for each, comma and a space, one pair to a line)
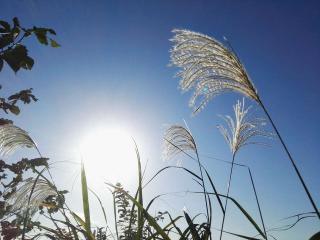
238, 133
242, 128
22, 201
12, 138
178, 139
210, 68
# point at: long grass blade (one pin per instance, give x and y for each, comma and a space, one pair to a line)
194, 233
85, 202
87, 234
140, 196
215, 191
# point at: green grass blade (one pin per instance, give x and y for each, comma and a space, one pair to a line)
85, 201
154, 236
101, 205
215, 191
169, 167
140, 196
241, 236
82, 222
194, 233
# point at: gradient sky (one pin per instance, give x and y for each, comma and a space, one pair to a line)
112, 68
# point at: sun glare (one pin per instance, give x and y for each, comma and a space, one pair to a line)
108, 155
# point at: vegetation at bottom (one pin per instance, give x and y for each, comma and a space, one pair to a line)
28, 191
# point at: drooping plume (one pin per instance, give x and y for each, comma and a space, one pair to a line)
12, 138
41, 191
178, 139
208, 67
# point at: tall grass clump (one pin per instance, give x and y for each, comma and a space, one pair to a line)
210, 68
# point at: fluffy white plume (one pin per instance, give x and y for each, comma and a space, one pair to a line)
241, 129
209, 67
12, 138
19, 200
177, 139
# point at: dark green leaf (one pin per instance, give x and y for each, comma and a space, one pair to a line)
6, 40
51, 31
41, 34
194, 233
14, 109
54, 44
315, 236
17, 58
5, 25
15, 32
38, 162
25, 96
27, 63
16, 22
5, 121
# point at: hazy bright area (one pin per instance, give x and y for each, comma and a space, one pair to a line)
110, 82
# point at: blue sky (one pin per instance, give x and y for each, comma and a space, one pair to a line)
112, 68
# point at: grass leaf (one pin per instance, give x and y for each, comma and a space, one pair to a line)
85, 202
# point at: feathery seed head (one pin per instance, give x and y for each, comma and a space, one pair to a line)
41, 191
12, 138
208, 67
177, 139
242, 128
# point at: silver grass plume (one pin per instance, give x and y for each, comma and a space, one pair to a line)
237, 134
178, 139
19, 200
12, 138
242, 128
209, 67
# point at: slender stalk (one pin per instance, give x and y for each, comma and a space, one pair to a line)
228, 190
291, 160
252, 183
257, 200
204, 189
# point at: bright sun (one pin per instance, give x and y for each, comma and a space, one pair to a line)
108, 155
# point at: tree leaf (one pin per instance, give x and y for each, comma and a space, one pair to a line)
54, 44
6, 39
5, 25
41, 34
14, 109
4, 121
16, 22
25, 96
27, 63
17, 58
